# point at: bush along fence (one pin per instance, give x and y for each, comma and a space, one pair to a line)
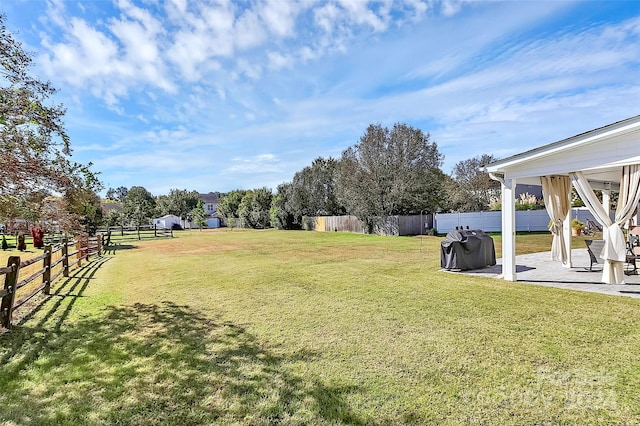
56, 261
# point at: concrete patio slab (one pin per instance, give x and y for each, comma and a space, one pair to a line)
539, 269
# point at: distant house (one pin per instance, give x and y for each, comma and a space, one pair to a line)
109, 205
210, 201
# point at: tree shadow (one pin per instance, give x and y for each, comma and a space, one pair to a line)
115, 247
155, 364
76, 282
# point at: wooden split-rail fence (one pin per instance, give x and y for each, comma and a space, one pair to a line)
56, 261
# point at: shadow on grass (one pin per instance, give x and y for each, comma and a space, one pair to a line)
113, 248
152, 364
76, 282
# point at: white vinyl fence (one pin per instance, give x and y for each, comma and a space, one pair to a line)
526, 220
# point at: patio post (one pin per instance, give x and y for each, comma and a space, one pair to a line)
566, 230
509, 229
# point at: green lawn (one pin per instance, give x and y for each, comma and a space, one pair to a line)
263, 327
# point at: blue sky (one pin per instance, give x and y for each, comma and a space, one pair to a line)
219, 95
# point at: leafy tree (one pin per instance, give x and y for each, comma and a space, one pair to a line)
179, 202
254, 208
117, 194
390, 172
34, 145
454, 197
29, 205
83, 200
199, 215
56, 210
138, 206
313, 190
229, 203
9, 210
112, 218
33, 141
280, 215
470, 188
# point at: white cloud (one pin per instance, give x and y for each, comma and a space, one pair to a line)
142, 48
278, 60
250, 70
451, 7
262, 163
326, 16
196, 84
280, 16
204, 35
249, 30
360, 13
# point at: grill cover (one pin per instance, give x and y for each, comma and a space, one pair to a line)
467, 249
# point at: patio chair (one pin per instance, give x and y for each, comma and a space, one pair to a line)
633, 254
594, 247
591, 228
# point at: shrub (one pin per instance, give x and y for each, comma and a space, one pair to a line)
576, 224
308, 223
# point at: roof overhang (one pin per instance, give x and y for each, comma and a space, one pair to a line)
599, 154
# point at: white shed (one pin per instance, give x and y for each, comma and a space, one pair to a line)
607, 158
167, 221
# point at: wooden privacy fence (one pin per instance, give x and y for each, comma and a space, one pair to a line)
56, 261
390, 225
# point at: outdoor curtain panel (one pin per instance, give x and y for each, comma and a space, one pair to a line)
555, 191
614, 252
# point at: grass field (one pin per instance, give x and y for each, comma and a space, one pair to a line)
263, 327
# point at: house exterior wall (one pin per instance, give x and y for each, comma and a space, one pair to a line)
210, 202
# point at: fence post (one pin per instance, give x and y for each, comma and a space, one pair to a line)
138, 229
155, 230
122, 230
99, 237
79, 250
10, 281
85, 248
46, 265
65, 257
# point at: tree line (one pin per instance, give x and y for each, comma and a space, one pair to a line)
394, 171
136, 206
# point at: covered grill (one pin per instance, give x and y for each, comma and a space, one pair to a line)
467, 249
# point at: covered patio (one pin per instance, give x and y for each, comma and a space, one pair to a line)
605, 159
535, 268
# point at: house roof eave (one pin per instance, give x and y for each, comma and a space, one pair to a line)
618, 128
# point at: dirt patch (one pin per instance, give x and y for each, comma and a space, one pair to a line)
209, 249
178, 246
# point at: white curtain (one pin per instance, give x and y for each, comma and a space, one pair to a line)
555, 191
614, 251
